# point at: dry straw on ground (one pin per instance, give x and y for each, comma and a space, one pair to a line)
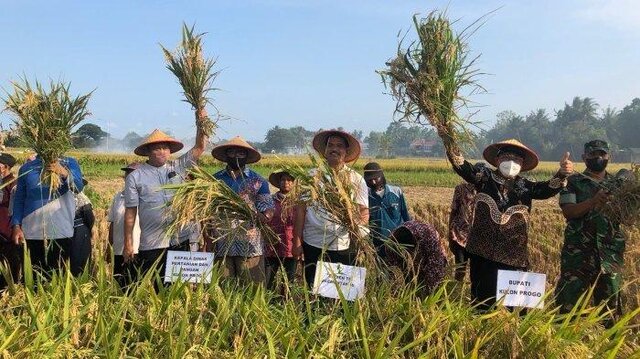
44, 119
195, 74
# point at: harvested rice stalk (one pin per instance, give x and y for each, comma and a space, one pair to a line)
195, 74
332, 193
624, 206
427, 78
44, 120
205, 199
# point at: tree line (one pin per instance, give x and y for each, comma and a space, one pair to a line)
549, 134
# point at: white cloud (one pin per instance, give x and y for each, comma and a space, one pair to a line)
619, 14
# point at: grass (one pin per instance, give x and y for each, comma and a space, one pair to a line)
90, 317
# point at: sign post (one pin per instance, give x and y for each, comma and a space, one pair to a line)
333, 279
192, 267
521, 289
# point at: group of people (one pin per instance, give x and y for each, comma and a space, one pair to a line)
488, 222
488, 225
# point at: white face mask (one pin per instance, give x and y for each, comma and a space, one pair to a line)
509, 168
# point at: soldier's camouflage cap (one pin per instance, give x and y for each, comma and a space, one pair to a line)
596, 145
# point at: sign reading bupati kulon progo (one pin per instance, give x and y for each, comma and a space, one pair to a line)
193, 267
333, 279
521, 289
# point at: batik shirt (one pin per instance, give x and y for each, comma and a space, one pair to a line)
499, 231
461, 215
244, 239
592, 242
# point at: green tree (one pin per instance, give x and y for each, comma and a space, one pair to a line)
88, 135
628, 125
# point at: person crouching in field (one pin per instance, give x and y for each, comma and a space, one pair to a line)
279, 255
122, 272
424, 260
45, 219
145, 199
10, 252
319, 237
460, 220
83, 222
387, 206
498, 236
241, 252
592, 254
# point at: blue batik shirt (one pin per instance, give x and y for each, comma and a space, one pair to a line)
386, 213
244, 239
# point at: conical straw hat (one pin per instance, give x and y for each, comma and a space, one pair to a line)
320, 143
529, 162
158, 136
274, 177
219, 152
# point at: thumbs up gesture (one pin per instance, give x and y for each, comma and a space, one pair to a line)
566, 165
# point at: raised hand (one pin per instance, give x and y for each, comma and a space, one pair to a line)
566, 165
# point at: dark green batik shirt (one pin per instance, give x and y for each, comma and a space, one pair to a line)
592, 238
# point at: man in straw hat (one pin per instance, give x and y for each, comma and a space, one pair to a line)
115, 216
280, 254
45, 219
498, 236
387, 206
314, 233
593, 250
241, 251
145, 198
10, 252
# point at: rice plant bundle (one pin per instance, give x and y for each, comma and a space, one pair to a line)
332, 193
206, 199
44, 119
195, 74
428, 76
624, 206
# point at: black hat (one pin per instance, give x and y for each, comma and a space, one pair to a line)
596, 145
7, 159
372, 168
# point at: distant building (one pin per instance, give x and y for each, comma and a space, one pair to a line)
422, 147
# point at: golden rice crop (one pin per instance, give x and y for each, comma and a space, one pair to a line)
44, 119
195, 74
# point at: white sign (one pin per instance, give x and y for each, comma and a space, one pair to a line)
521, 289
333, 279
193, 267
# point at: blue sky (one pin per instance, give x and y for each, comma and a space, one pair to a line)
312, 63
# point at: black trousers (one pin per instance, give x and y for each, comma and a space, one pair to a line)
273, 264
484, 280
461, 259
46, 260
11, 256
147, 259
80, 255
123, 273
313, 254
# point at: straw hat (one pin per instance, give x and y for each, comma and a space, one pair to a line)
529, 162
274, 177
158, 136
320, 143
219, 152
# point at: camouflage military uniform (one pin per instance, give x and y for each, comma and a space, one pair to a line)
592, 252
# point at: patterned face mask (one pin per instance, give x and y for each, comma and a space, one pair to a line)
509, 169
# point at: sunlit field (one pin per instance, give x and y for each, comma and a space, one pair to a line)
91, 317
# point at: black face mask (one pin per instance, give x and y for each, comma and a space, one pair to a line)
236, 163
597, 164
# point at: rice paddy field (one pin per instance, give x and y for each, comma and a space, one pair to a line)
90, 316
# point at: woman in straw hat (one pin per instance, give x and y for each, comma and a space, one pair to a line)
242, 249
145, 198
315, 234
498, 235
